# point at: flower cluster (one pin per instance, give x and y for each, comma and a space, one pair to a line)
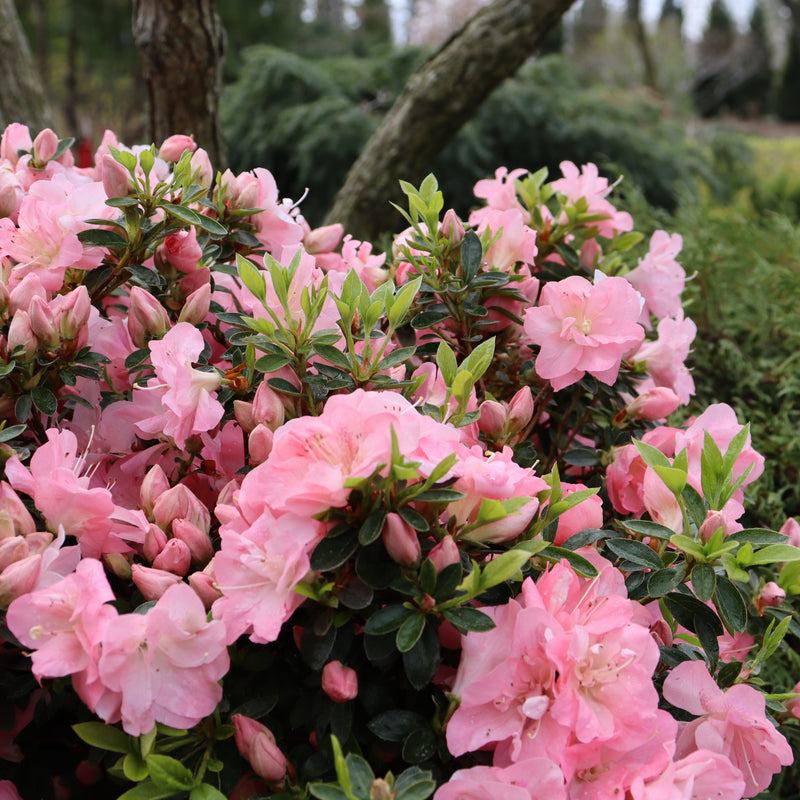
278, 511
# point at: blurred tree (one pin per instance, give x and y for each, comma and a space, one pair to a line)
719, 33
671, 12
634, 15
374, 25
22, 97
590, 20
182, 43
754, 96
788, 98
437, 101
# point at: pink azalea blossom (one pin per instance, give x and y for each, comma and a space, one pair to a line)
532, 779
583, 327
659, 278
665, 357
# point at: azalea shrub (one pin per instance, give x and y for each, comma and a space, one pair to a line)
283, 516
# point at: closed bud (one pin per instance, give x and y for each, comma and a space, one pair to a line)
662, 633
174, 147
155, 483
21, 295
44, 147
152, 583
118, 564
180, 502
175, 557
19, 578
401, 540
116, 178
770, 595
259, 444
74, 312
243, 411
257, 744
9, 201
196, 540
205, 586
267, 407
654, 404
339, 682
380, 790
13, 548
713, 522
14, 516
147, 318
22, 342
520, 410
15, 137
202, 171
492, 420
154, 542
452, 227
445, 553
196, 307
323, 240
791, 528
43, 322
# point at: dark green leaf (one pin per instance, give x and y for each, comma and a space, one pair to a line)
332, 552
143, 276
695, 504
316, 646
122, 202
730, 604
399, 356
582, 457
584, 537
419, 746
193, 218
375, 567
728, 673
427, 577
663, 581
707, 635
446, 582
7, 434
580, 564
7, 369
396, 724
636, 552
334, 355
387, 619
280, 385
759, 536
414, 518
438, 496
428, 319
646, 528
704, 580
372, 527
467, 618
409, 632
97, 237
687, 609
136, 358
421, 662
44, 400
471, 255
272, 362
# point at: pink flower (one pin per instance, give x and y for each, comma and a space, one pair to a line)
732, 723
532, 779
665, 357
516, 243
583, 327
659, 278
339, 682
699, 776
500, 192
165, 664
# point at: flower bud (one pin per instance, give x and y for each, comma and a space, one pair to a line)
339, 682
492, 418
793, 704
44, 147
154, 542
770, 595
196, 307
259, 444
662, 633
520, 410
12, 549
9, 202
380, 789
19, 578
243, 411
74, 312
180, 250
713, 522
267, 407
257, 744
16, 137
323, 240
152, 583
174, 147
43, 322
202, 171
21, 295
14, 516
445, 553
654, 404
118, 564
400, 540
791, 528
180, 502
205, 587
155, 483
21, 335
452, 227
196, 540
147, 318
175, 557
116, 178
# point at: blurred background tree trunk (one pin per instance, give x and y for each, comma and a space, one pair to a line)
439, 99
634, 12
22, 96
182, 45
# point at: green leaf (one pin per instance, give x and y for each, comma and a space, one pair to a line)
467, 618
419, 746
104, 737
504, 567
361, 774
427, 319
409, 632
446, 361
206, 792
146, 791
414, 518
421, 662
759, 536
477, 362
646, 528
651, 456
169, 773
471, 255
135, 768
372, 527
636, 552
584, 537
396, 724
333, 551
327, 791
44, 400
193, 218
98, 237
414, 784
675, 479
7, 434
687, 609
252, 277
580, 564
387, 619
774, 554
730, 604
22, 408
438, 496
664, 581
334, 355
272, 362
402, 302
704, 581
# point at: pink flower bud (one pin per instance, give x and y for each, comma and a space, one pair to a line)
323, 240
147, 318
654, 404
267, 407
116, 178
492, 418
181, 250
14, 516
259, 444
152, 583
452, 227
19, 578
15, 137
12, 549
339, 682
21, 335
713, 522
770, 595
206, 588
155, 483
154, 542
793, 705
445, 553
400, 540
22, 294
43, 322
118, 564
175, 557
791, 528
196, 540
520, 409
662, 633
44, 147
202, 171
74, 312
196, 307
180, 502
174, 146
243, 411
257, 744
9, 202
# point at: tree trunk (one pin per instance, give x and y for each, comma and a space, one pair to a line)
22, 97
642, 44
182, 44
438, 100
